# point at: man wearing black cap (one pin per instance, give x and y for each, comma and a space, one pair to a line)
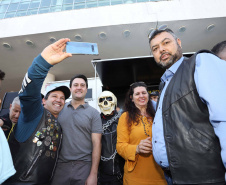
36, 141
154, 96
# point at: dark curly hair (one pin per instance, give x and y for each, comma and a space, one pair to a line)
133, 111
2, 75
219, 47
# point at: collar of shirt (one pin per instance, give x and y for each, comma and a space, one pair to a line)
82, 105
172, 70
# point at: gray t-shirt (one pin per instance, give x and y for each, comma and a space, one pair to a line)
78, 126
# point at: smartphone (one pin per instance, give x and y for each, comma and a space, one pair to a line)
83, 48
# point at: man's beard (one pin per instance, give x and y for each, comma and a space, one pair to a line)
172, 60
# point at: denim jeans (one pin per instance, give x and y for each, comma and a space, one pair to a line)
168, 179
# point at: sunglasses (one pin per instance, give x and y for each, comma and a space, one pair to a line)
162, 27
135, 83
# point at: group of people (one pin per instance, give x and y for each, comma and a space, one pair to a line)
179, 141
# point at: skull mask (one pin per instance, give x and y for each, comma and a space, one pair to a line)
107, 102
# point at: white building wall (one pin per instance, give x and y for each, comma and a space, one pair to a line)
112, 15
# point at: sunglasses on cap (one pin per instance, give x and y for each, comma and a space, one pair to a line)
162, 27
135, 83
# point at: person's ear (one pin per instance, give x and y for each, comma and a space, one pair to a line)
43, 101
179, 42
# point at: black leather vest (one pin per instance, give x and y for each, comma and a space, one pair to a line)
36, 158
192, 147
111, 163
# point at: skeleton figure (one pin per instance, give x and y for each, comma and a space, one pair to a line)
111, 164
107, 102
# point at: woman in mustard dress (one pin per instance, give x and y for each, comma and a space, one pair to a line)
134, 139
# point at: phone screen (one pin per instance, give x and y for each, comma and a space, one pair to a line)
83, 48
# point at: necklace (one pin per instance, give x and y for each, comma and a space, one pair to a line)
144, 127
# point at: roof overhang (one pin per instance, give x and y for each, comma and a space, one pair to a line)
119, 73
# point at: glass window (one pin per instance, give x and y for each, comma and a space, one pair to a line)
10, 14
13, 7
67, 7
91, 4
15, 1
57, 2
24, 5
6, 1
68, 2
34, 4
142, 0
79, 1
3, 8
24, 0
43, 10
45, 3
21, 13
2, 15
129, 1
79, 5
104, 3
55, 9
32, 12
114, 2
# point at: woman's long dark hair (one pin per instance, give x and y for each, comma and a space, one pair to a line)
130, 107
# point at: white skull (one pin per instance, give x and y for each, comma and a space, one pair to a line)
107, 102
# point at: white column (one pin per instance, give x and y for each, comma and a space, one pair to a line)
49, 78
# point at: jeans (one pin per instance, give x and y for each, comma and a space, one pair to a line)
170, 181
71, 173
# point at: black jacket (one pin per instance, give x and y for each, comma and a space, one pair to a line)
7, 124
35, 159
193, 149
111, 164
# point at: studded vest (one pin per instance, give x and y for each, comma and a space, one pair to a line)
36, 158
193, 149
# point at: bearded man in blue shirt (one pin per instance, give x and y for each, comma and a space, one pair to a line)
189, 140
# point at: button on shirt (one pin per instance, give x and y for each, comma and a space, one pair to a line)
210, 80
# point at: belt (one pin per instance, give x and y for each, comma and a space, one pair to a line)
167, 171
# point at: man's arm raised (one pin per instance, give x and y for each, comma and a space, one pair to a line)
30, 93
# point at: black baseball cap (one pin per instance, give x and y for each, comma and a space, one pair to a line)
63, 88
154, 93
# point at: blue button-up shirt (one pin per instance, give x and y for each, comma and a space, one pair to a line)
210, 80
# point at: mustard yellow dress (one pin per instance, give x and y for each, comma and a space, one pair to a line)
139, 169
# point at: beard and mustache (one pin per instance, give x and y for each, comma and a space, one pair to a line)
172, 60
